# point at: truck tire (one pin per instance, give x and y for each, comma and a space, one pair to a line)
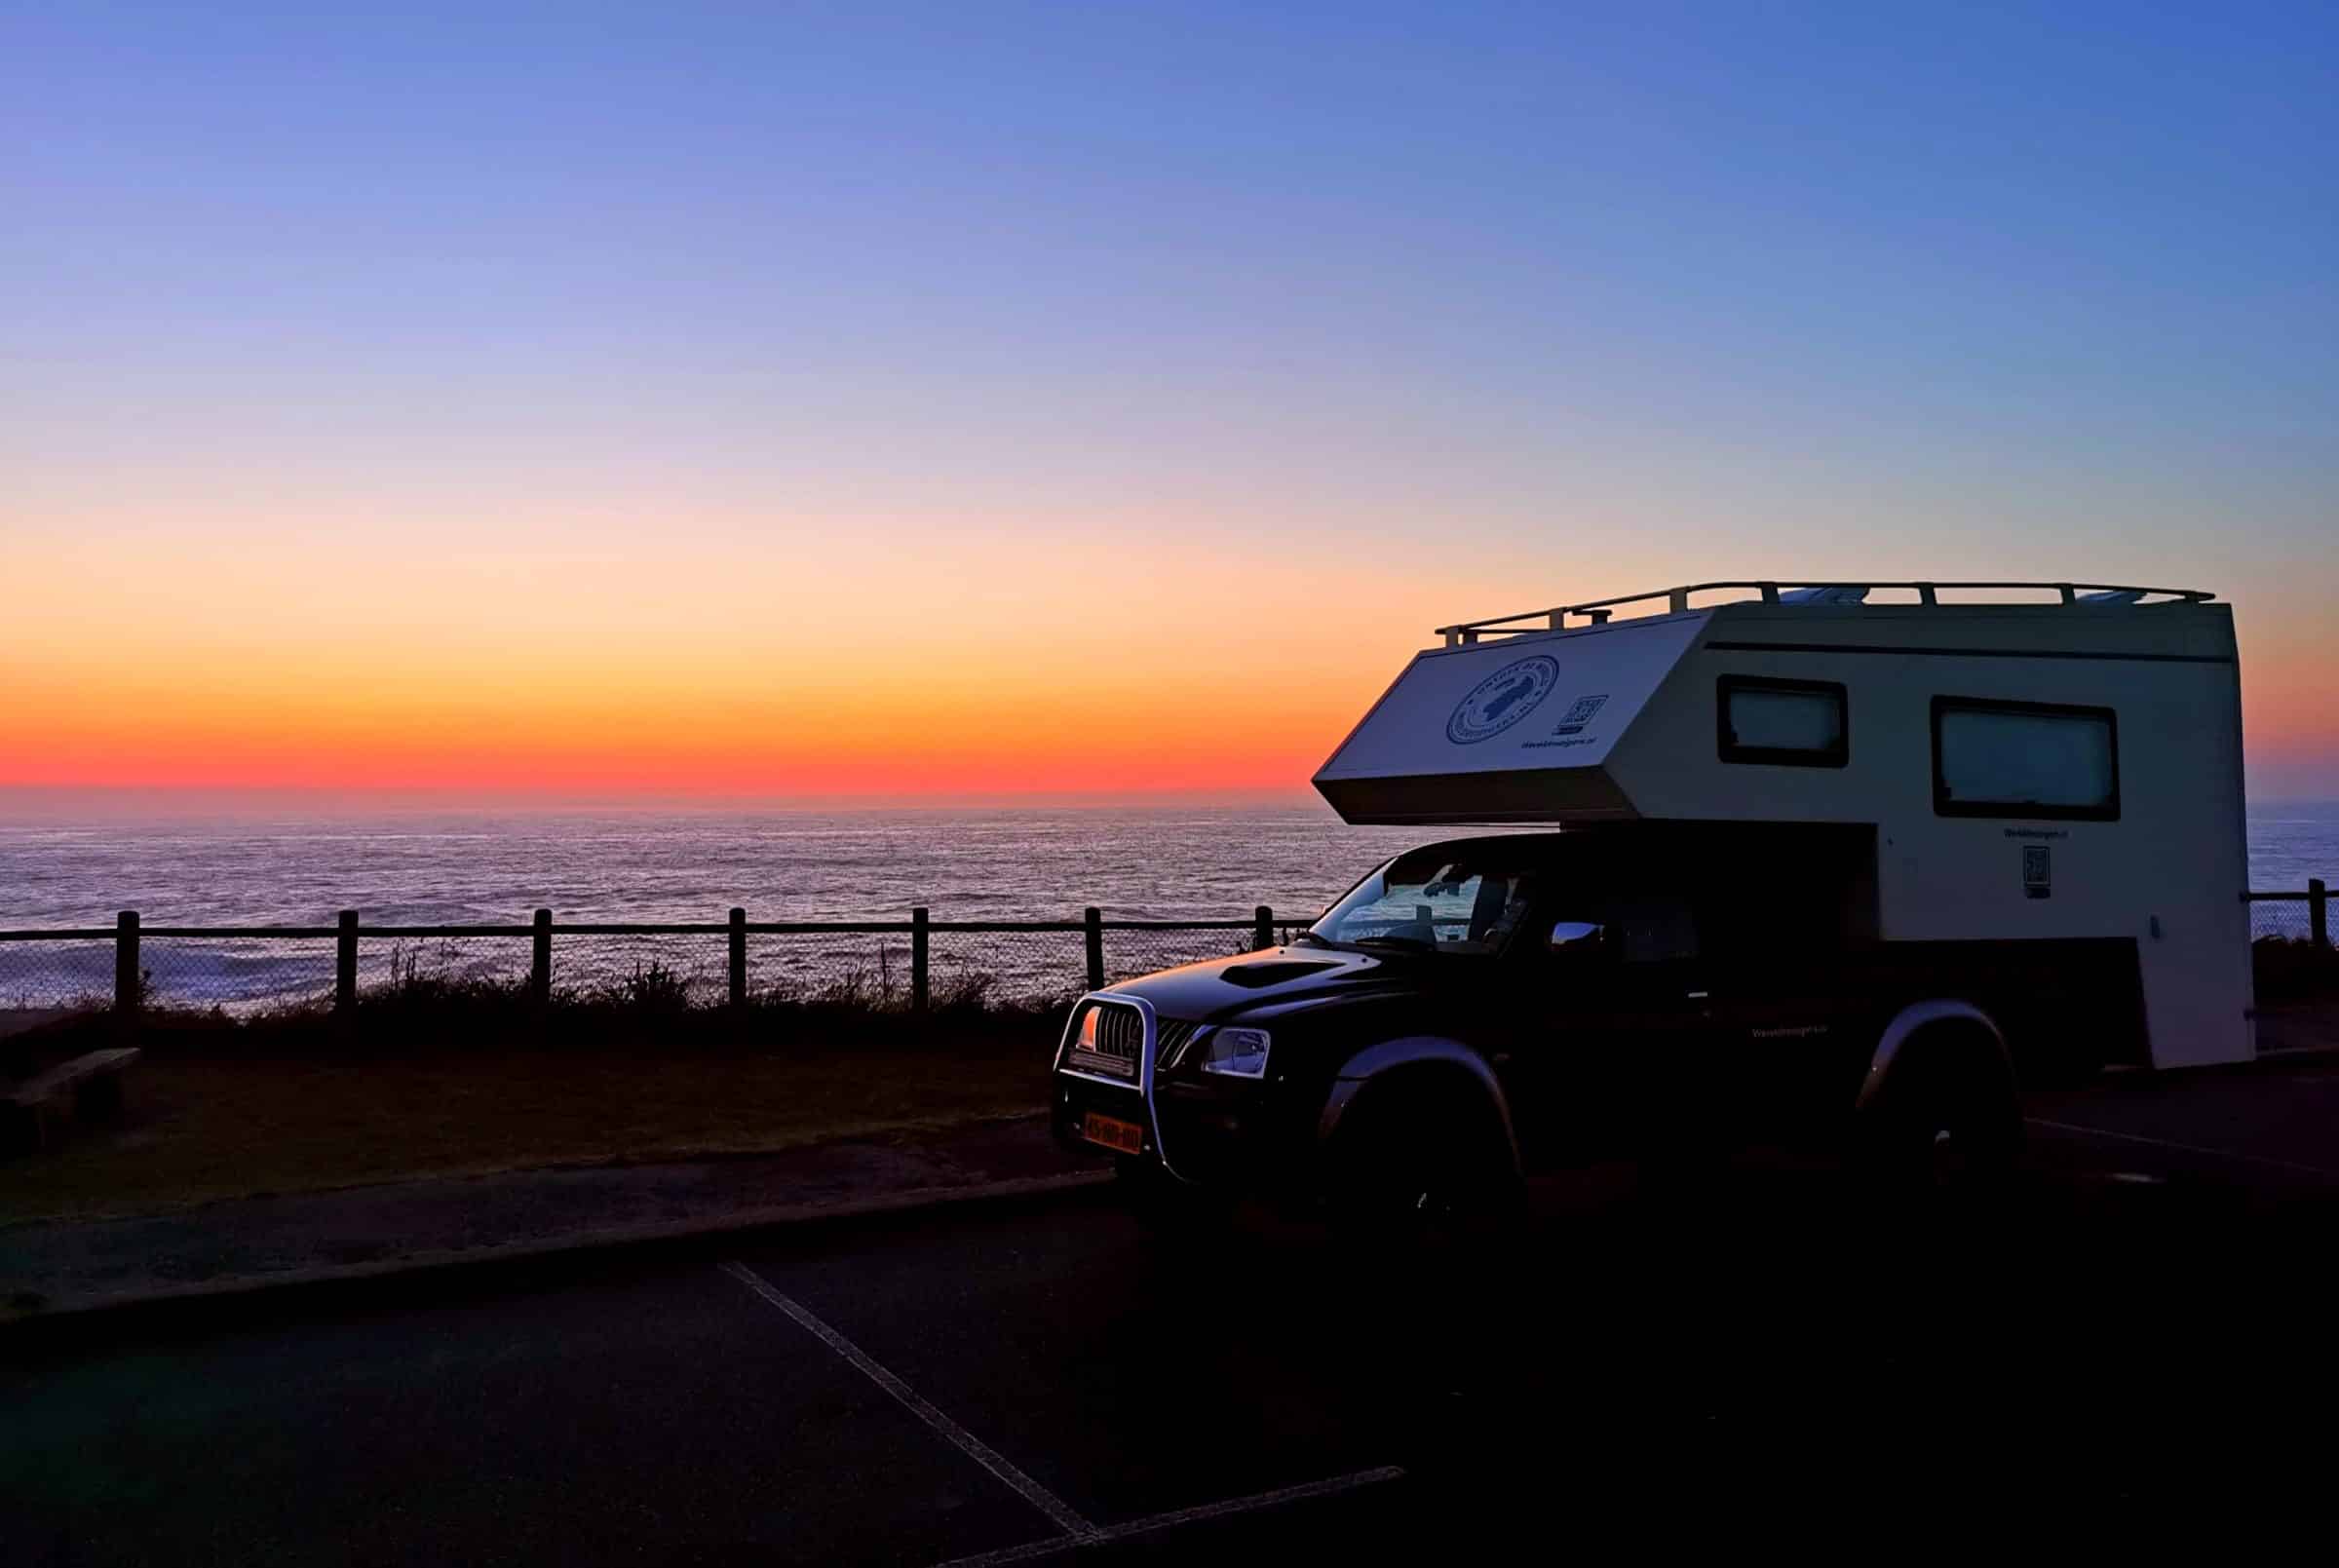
1948, 1123
1427, 1165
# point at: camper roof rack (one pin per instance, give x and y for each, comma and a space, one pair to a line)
1597, 612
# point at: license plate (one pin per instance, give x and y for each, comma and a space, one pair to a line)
1113, 1132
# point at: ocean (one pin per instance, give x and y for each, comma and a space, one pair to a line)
644, 866
641, 866
492, 866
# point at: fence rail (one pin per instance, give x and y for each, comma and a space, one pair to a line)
2292, 916
117, 965
729, 961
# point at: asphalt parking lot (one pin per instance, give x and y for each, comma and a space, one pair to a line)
2139, 1339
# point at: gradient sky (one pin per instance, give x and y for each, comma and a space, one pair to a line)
969, 399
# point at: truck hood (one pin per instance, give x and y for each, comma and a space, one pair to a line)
1262, 982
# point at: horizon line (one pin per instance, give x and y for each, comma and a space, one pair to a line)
58, 800
52, 798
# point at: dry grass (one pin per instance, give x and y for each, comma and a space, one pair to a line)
206, 1126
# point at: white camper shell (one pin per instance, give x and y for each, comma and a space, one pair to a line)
2020, 760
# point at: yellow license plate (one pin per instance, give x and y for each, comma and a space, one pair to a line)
1113, 1132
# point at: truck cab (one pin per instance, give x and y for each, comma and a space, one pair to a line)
1479, 1009
1796, 879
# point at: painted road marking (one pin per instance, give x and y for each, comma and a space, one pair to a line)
2268, 1160
1059, 1513
1176, 1516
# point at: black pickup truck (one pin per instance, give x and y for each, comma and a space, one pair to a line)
1479, 1008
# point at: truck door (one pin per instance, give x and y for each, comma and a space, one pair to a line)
1792, 1039
1614, 1030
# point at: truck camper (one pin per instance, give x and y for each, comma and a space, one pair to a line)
1843, 862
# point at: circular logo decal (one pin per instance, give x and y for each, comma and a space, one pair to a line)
1502, 700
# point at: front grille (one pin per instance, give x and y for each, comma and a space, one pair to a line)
1120, 1042
1174, 1033
1120, 1033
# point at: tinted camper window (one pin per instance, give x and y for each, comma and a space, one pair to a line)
1801, 724
2024, 759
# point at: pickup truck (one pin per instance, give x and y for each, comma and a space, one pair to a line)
1480, 1008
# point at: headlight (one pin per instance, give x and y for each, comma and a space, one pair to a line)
1236, 1053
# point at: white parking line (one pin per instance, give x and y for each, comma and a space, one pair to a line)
2323, 1172
1059, 1513
1163, 1521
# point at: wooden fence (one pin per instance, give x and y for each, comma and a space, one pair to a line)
2317, 902
2282, 913
129, 932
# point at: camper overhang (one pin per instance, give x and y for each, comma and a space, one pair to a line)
1518, 730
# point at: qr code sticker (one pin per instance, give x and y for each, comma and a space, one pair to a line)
1579, 714
2037, 871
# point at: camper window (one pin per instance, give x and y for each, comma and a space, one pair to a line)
2024, 759
1798, 724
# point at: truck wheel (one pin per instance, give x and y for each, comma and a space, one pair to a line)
1436, 1172
1949, 1125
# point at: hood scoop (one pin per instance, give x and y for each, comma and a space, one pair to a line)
1258, 976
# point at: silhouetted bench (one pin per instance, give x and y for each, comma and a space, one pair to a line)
96, 1081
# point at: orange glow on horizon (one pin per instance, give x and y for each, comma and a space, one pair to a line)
1077, 674
1053, 662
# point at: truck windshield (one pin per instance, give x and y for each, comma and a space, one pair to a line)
1430, 904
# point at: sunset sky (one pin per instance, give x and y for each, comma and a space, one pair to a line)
989, 399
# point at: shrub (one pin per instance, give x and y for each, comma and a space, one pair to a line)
2293, 966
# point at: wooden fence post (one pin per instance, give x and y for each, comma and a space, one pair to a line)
540, 963
345, 963
1094, 919
1263, 935
738, 959
2319, 912
921, 990
130, 985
